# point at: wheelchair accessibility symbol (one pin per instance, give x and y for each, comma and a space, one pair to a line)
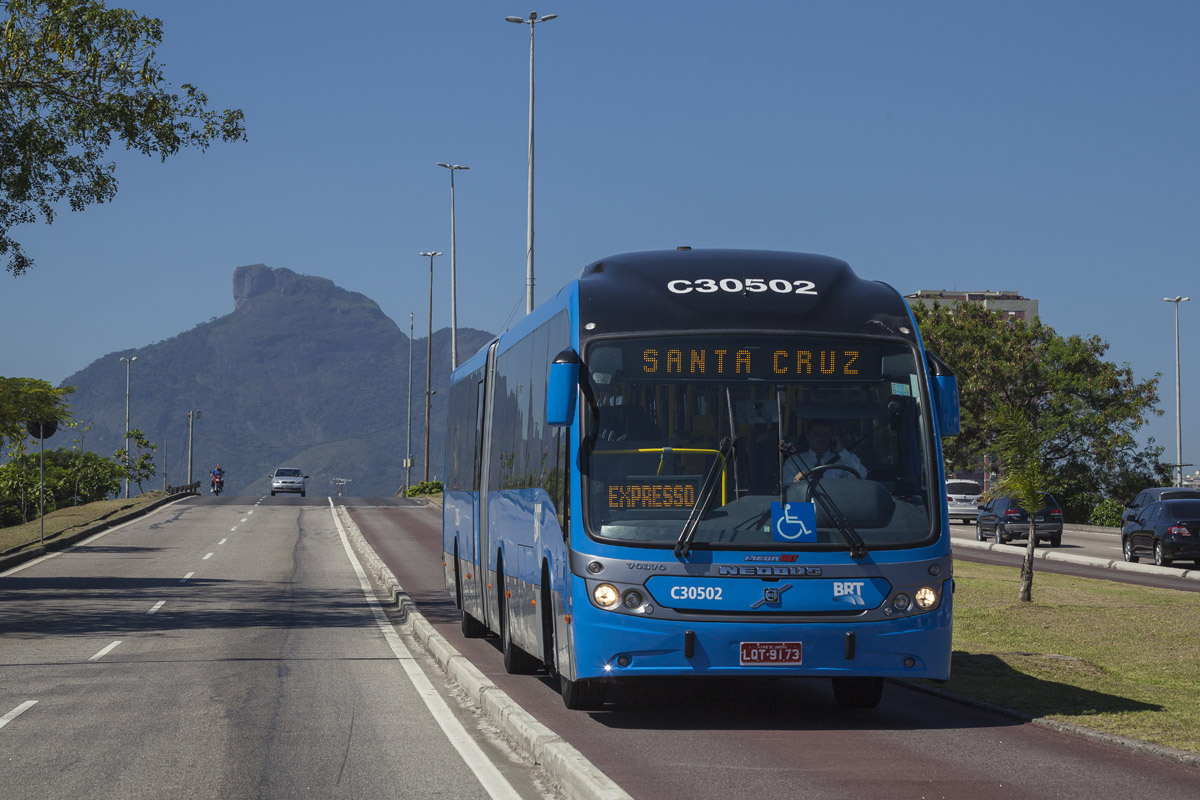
793, 522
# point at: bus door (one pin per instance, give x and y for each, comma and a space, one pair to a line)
483, 435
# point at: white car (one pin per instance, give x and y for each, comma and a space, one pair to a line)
289, 479
962, 500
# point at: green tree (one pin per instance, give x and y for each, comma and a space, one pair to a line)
19, 478
25, 400
1019, 445
74, 75
1087, 410
137, 466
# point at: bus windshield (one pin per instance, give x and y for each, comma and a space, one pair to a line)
837, 424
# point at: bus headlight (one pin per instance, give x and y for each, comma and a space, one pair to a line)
606, 595
926, 598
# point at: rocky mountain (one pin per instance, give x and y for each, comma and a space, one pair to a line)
301, 373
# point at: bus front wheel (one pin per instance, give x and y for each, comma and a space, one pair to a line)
582, 695
858, 692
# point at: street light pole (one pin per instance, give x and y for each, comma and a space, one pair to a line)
531, 22
453, 271
192, 417
1178, 404
128, 364
408, 446
429, 359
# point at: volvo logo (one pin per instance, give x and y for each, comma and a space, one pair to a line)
772, 595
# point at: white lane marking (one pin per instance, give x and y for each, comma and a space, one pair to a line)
493, 782
16, 712
207, 557
185, 577
251, 511
104, 652
156, 606
243, 519
233, 529
223, 541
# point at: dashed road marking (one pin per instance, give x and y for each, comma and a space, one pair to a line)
16, 712
104, 652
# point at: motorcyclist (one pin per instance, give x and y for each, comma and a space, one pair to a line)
217, 474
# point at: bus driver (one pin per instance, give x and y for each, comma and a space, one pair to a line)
824, 448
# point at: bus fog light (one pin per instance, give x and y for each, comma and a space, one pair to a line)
926, 598
606, 595
901, 602
632, 599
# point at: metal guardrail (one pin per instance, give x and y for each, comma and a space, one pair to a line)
193, 488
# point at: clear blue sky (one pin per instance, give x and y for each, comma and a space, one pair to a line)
1048, 147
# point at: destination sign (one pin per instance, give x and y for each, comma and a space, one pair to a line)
769, 360
651, 494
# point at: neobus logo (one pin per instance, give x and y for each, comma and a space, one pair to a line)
770, 572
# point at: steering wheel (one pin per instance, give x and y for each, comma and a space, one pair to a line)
820, 469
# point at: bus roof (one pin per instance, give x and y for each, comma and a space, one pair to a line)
671, 291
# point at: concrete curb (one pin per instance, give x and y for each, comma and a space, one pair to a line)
1051, 554
565, 765
64, 541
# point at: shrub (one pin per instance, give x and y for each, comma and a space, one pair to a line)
1107, 513
425, 487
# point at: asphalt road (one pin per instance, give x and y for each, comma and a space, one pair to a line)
782, 738
224, 648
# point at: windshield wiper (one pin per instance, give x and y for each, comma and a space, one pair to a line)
703, 500
858, 547
709, 486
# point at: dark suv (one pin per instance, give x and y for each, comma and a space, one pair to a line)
1005, 520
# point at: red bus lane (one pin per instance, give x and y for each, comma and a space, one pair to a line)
694, 739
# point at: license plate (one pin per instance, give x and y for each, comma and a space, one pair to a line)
767, 654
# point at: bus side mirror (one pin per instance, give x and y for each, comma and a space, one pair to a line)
562, 388
945, 395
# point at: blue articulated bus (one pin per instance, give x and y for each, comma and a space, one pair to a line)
627, 495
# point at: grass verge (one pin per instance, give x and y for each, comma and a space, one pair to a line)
1112, 657
71, 519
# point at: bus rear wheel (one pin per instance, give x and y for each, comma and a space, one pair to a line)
471, 627
858, 692
582, 695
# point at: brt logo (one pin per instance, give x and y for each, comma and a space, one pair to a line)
849, 592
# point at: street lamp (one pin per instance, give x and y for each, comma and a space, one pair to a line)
429, 359
128, 364
531, 22
1178, 405
453, 270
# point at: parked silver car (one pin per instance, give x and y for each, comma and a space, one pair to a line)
962, 500
289, 479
